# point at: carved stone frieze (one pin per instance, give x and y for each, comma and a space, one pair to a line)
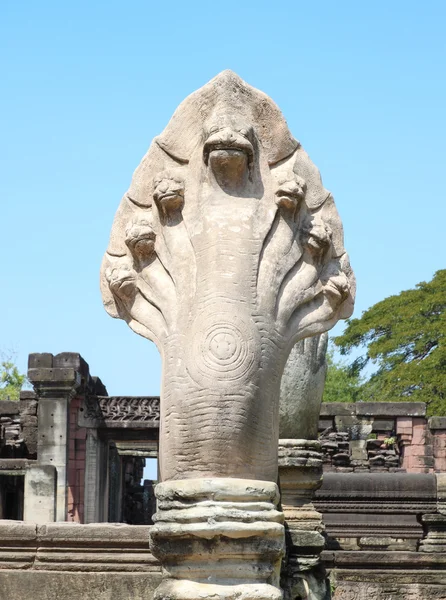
120, 411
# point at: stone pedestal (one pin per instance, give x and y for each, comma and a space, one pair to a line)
218, 537
300, 474
435, 533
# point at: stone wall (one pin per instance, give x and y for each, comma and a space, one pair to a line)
18, 450
382, 436
66, 561
18, 427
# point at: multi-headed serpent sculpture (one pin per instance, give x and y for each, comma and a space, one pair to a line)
225, 251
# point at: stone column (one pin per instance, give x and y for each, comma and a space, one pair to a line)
225, 251
96, 475
300, 475
55, 380
300, 468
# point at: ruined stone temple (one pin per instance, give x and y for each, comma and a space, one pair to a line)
227, 252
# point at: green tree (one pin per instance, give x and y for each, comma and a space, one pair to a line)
404, 336
341, 384
11, 380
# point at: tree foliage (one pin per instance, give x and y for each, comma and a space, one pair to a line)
404, 336
11, 380
341, 384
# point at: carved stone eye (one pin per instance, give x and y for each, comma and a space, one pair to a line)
291, 193
140, 239
169, 192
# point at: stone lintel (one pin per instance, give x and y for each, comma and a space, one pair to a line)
120, 412
15, 465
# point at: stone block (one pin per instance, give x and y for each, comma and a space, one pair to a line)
99, 388
377, 461
40, 493
356, 428
41, 360
71, 360
17, 530
405, 440
306, 541
440, 464
29, 435
341, 459
419, 433
28, 408
437, 423
94, 533
9, 407
417, 462
403, 425
69, 585
387, 425
41, 375
439, 440
325, 423
440, 479
29, 421
358, 449
428, 450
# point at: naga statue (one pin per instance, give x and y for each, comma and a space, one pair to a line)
225, 251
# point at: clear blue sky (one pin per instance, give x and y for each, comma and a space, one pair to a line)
86, 85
